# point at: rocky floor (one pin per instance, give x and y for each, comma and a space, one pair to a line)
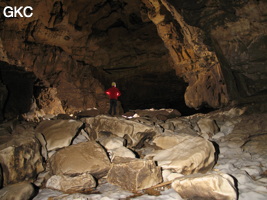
148, 154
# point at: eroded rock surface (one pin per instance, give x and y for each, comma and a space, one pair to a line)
184, 153
69, 184
208, 186
20, 158
86, 157
134, 174
58, 133
18, 191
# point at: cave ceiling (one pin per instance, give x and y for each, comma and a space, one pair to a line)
160, 52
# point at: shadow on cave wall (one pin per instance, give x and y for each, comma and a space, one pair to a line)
20, 86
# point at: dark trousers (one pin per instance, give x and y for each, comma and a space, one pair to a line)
113, 106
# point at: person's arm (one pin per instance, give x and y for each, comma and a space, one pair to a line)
107, 92
118, 93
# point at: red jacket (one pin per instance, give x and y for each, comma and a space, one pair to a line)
113, 93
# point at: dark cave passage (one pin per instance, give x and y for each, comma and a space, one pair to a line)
146, 90
20, 89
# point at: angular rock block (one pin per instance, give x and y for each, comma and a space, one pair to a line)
18, 191
134, 174
184, 153
208, 186
68, 184
20, 158
85, 157
58, 133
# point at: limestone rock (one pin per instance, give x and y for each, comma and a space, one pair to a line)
208, 186
184, 154
119, 127
69, 184
121, 152
134, 174
20, 158
58, 133
112, 142
207, 127
85, 157
49, 101
158, 113
18, 191
88, 113
180, 125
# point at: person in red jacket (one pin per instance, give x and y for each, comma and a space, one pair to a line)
113, 94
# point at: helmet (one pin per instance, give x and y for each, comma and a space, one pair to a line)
113, 84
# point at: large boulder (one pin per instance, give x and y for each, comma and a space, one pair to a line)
208, 186
69, 184
58, 133
134, 174
20, 158
184, 153
85, 157
18, 191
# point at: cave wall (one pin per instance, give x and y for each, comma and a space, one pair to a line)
217, 48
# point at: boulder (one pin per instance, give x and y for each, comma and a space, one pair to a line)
119, 127
69, 184
20, 158
58, 133
85, 157
18, 191
134, 174
208, 186
207, 127
184, 153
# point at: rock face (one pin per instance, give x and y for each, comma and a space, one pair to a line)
208, 42
209, 186
134, 174
91, 158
